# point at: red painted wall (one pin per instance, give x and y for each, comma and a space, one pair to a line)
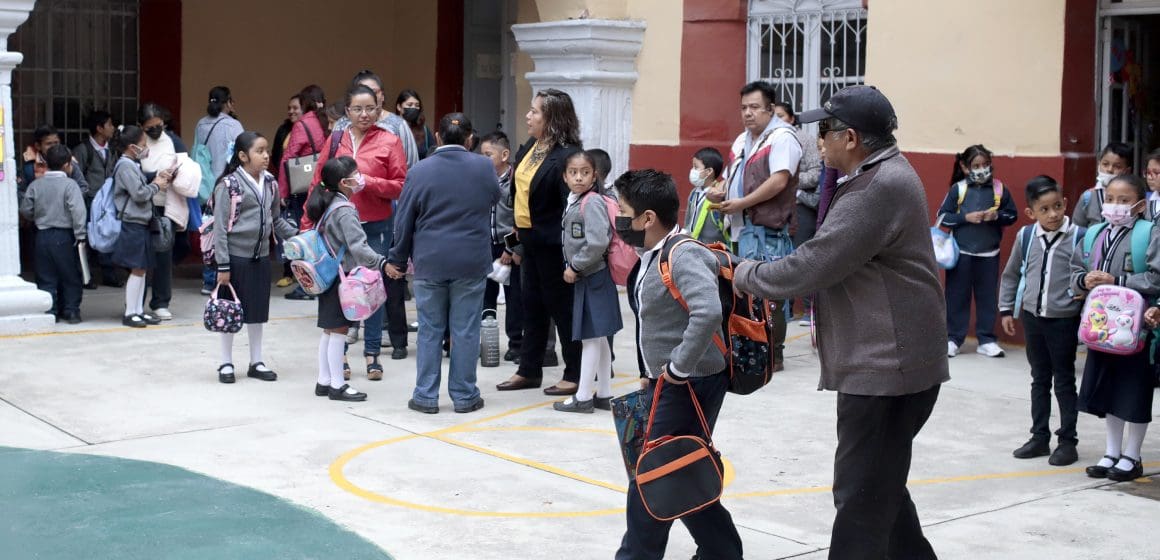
449, 58
159, 56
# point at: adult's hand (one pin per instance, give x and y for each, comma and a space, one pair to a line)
732, 206
715, 194
393, 272
506, 258
569, 275
1009, 325
517, 260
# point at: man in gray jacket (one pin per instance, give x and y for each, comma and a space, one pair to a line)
880, 321
679, 348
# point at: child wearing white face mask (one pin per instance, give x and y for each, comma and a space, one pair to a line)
702, 222
1115, 160
1119, 388
1152, 176
977, 208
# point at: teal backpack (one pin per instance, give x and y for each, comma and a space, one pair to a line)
202, 156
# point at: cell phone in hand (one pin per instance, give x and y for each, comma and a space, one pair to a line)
511, 240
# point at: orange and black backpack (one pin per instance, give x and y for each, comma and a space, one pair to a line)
744, 320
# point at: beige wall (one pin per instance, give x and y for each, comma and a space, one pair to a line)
989, 73
656, 100
298, 48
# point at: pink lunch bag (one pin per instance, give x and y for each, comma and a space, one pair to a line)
361, 292
1113, 320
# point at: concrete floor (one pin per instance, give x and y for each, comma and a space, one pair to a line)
517, 479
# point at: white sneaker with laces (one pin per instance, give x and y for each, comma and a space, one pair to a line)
352, 335
163, 314
991, 350
952, 349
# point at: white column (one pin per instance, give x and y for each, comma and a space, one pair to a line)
594, 61
22, 306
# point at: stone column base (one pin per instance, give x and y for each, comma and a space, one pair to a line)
22, 308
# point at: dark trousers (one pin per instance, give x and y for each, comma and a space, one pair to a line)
712, 528
876, 518
58, 269
514, 316
546, 297
977, 277
1051, 347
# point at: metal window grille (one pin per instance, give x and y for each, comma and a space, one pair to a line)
79, 55
808, 49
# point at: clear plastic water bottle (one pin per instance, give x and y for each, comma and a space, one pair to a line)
489, 355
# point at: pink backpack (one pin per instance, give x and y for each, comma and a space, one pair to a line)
361, 292
621, 256
1113, 320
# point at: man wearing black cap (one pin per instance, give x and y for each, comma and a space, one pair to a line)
880, 321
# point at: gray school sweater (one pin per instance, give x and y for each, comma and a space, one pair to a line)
55, 201
1119, 265
1047, 292
587, 233
666, 332
342, 228
132, 192
255, 219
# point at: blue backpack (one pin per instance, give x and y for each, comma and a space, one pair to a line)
312, 261
105, 220
204, 159
1025, 238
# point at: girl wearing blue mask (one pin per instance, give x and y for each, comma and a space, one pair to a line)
977, 208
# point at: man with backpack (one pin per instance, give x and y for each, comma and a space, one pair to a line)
880, 321
678, 352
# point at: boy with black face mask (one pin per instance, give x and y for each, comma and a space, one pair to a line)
678, 351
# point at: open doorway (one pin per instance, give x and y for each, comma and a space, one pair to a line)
488, 83
1129, 58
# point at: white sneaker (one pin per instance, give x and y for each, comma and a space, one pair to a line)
804, 322
163, 314
952, 349
352, 335
991, 350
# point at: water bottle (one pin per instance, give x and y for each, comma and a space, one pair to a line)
489, 355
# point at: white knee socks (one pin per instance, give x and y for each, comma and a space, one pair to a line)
134, 295
595, 363
324, 359
334, 354
227, 355
1133, 445
1115, 443
254, 330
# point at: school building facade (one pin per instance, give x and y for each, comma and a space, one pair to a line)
1043, 83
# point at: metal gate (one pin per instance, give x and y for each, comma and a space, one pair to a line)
808, 49
79, 55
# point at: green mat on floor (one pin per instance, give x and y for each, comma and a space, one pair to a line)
68, 506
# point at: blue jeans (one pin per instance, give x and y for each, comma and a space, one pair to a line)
456, 304
760, 243
379, 237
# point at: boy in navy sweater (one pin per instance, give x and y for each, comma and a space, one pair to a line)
1036, 289
56, 204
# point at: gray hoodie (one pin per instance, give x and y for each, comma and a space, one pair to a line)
587, 233
132, 194
255, 218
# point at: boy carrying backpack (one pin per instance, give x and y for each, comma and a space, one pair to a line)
1035, 287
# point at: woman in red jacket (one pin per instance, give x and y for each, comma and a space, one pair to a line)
380, 159
307, 137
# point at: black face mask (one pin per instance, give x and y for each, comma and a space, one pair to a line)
155, 132
634, 238
411, 114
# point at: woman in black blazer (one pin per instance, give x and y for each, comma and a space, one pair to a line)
539, 195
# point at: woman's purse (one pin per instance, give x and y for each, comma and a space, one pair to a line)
678, 475
223, 315
946, 249
300, 170
160, 232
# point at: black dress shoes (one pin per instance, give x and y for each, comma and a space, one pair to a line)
1033, 448
1096, 471
321, 390
1064, 454
224, 377
411, 404
1119, 475
346, 393
399, 353
264, 373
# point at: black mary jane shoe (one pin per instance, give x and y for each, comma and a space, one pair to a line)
321, 390
1096, 471
1120, 475
346, 393
264, 374
226, 377
603, 403
151, 319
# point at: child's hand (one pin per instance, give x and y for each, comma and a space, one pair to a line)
1152, 317
990, 216
30, 154
1009, 325
1097, 278
569, 275
974, 217
223, 278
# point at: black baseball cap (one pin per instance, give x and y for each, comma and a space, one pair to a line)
863, 108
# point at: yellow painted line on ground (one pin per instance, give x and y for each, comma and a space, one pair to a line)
532, 464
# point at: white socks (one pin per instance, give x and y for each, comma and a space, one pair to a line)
227, 356
336, 350
134, 295
595, 362
254, 330
1115, 443
324, 359
1133, 446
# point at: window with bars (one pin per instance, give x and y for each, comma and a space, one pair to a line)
808, 49
79, 55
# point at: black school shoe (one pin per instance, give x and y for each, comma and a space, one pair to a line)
321, 390
511, 356
264, 374
399, 353
346, 393
1032, 449
603, 403
1064, 454
134, 320
151, 319
470, 408
71, 318
1119, 475
1096, 471
411, 404
226, 377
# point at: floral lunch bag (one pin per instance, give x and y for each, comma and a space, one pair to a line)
223, 315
